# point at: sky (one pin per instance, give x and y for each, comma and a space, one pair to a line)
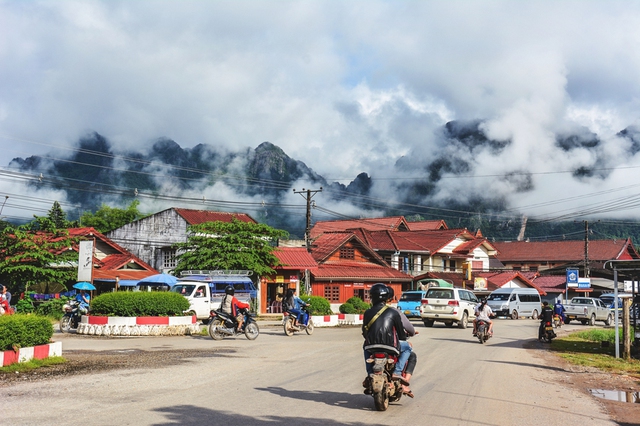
344, 86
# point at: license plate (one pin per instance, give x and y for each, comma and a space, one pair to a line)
407, 312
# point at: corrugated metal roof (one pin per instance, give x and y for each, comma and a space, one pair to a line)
428, 225
564, 251
365, 273
195, 217
295, 258
393, 223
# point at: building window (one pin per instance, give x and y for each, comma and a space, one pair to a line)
168, 258
533, 268
332, 293
452, 265
346, 253
517, 268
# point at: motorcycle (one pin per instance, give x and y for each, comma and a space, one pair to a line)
483, 331
548, 333
222, 324
71, 317
287, 323
381, 384
557, 320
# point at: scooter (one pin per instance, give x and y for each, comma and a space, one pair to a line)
548, 335
222, 324
482, 331
381, 384
287, 323
557, 320
71, 317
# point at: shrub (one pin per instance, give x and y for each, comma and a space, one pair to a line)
348, 308
25, 306
52, 308
318, 305
21, 331
139, 304
359, 305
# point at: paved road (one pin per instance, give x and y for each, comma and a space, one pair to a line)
310, 380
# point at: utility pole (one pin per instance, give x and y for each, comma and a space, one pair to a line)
308, 194
586, 249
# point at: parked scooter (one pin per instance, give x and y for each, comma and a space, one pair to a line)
222, 324
381, 384
483, 331
71, 317
548, 335
289, 328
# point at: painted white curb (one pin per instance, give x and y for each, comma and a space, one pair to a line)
138, 326
27, 354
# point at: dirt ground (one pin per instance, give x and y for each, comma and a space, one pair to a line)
86, 362
586, 378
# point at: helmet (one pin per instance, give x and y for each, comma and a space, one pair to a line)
483, 300
379, 293
391, 293
230, 290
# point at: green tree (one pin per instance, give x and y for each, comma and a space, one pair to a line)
58, 216
229, 245
109, 218
32, 257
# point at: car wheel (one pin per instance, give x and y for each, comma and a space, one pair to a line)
464, 321
427, 322
514, 314
608, 321
592, 320
534, 315
567, 321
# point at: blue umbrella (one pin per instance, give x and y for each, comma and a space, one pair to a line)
166, 279
83, 285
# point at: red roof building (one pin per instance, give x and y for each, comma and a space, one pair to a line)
348, 267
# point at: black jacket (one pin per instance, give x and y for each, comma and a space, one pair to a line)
546, 314
386, 331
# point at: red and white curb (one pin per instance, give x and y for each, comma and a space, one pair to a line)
138, 326
335, 320
27, 354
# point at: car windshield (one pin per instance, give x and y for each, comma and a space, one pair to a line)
499, 297
411, 297
184, 289
440, 293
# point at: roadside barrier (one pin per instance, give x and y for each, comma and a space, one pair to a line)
138, 326
335, 320
27, 354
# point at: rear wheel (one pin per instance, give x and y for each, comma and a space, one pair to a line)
464, 321
567, 321
514, 314
427, 322
65, 324
592, 320
608, 321
381, 399
214, 329
534, 315
251, 331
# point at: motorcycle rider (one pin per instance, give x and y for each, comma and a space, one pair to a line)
5, 308
406, 346
382, 330
83, 299
294, 304
546, 315
558, 309
230, 305
483, 312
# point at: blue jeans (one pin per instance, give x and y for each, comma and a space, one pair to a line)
405, 351
301, 316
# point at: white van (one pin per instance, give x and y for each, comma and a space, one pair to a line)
515, 302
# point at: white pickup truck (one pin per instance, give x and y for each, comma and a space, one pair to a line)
205, 289
588, 310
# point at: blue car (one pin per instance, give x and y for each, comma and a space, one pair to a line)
410, 301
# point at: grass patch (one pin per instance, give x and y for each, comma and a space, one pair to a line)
585, 348
21, 367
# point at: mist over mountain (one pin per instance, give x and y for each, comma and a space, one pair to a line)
261, 181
